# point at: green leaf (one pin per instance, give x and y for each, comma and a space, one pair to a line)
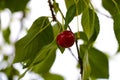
56, 6
80, 5
16, 5
2, 4
51, 76
98, 63
6, 35
81, 35
57, 30
45, 59
71, 12
86, 66
95, 63
117, 29
113, 6
69, 3
90, 24
39, 35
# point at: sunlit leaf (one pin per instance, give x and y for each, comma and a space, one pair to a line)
86, 66
81, 35
39, 35
45, 59
95, 63
99, 64
90, 24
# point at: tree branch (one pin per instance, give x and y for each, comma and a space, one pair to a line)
51, 9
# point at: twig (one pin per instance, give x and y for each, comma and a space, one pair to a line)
73, 54
54, 19
80, 59
76, 43
51, 9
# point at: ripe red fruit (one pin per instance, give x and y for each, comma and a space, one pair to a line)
65, 39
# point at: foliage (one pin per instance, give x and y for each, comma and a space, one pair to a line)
36, 51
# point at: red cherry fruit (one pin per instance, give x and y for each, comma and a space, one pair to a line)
65, 39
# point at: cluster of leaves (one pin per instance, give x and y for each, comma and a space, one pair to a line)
95, 62
37, 50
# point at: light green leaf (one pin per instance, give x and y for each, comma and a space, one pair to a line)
45, 59
95, 63
86, 67
51, 76
98, 63
39, 35
81, 35
90, 24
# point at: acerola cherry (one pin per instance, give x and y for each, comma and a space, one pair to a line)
65, 39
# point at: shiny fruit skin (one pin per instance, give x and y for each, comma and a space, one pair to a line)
65, 39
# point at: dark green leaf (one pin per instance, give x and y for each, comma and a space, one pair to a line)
2, 4
45, 59
51, 76
39, 35
16, 5
117, 29
99, 64
113, 6
69, 3
71, 12
90, 24
56, 6
6, 35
